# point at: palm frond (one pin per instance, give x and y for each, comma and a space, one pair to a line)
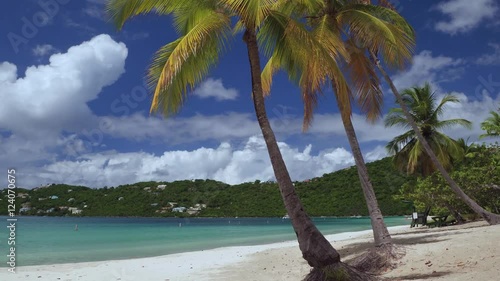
491, 125
446, 99
365, 82
186, 61
453, 122
396, 118
250, 13
391, 40
399, 142
120, 11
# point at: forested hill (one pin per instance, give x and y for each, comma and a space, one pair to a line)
335, 194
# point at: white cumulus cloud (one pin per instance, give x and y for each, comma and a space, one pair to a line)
38, 108
491, 58
465, 15
213, 88
54, 97
429, 68
43, 50
224, 163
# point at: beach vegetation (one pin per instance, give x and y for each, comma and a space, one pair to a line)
410, 110
408, 151
478, 174
491, 125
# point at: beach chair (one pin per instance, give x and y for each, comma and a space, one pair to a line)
420, 218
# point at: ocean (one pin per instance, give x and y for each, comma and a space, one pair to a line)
53, 240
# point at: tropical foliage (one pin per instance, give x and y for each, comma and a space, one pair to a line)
491, 125
408, 151
478, 174
204, 28
340, 30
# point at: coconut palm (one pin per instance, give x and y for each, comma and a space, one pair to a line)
363, 26
491, 218
374, 56
408, 151
205, 28
491, 125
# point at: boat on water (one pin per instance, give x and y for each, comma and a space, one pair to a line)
286, 216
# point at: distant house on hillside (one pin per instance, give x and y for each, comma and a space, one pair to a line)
179, 209
53, 197
120, 199
74, 210
24, 209
22, 195
147, 188
161, 186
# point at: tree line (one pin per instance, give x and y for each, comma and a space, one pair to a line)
333, 194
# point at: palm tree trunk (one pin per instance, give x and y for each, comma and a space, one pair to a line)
458, 217
489, 217
316, 250
380, 233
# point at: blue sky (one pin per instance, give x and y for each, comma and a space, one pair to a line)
74, 108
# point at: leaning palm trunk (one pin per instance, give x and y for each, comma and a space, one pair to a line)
316, 250
488, 216
380, 233
380, 258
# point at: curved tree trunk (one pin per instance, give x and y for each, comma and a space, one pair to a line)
489, 217
380, 233
316, 250
458, 217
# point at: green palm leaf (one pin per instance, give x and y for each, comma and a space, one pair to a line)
423, 107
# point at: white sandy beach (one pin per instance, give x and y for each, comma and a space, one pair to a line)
468, 252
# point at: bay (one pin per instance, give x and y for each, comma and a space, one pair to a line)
54, 240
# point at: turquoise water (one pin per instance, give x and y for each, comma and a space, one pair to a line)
51, 240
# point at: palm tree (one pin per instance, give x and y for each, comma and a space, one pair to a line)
367, 26
374, 56
407, 149
205, 27
491, 218
491, 125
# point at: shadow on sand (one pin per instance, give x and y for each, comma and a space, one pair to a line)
419, 276
350, 252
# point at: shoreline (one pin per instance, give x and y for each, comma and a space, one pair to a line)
461, 252
106, 239
181, 266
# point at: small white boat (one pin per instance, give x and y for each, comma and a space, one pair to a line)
285, 217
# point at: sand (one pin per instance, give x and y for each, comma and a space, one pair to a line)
466, 252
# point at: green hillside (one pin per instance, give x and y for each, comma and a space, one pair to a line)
335, 194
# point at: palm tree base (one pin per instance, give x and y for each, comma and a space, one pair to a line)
379, 259
491, 218
337, 272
